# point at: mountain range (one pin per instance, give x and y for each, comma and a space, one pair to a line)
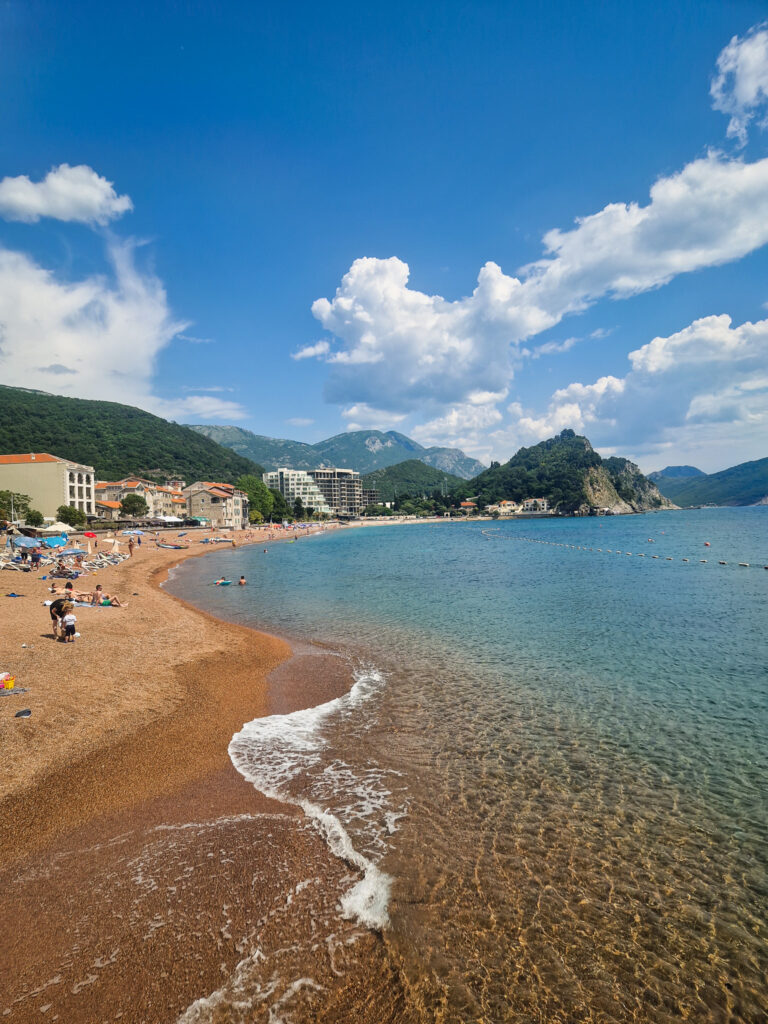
745, 484
362, 450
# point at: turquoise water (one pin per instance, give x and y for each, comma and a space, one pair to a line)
557, 754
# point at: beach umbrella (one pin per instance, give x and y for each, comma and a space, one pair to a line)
25, 542
58, 528
55, 542
133, 533
89, 534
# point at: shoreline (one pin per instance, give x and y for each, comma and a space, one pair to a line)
128, 739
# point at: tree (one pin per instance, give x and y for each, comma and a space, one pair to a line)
13, 505
280, 509
71, 516
34, 518
260, 498
298, 508
310, 512
133, 505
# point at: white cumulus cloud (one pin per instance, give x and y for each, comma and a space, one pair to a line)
97, 338
365, 417
402, 350
703, 390
740, 87
65, 193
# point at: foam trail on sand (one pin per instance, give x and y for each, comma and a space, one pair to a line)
282, 756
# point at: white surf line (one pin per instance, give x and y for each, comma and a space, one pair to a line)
490, 535
270, 752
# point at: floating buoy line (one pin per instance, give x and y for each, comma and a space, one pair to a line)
498, 535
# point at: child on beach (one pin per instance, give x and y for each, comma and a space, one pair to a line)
68, 620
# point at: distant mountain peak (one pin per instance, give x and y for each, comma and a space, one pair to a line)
676, 473
362, 450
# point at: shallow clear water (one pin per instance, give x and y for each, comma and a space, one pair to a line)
556, 753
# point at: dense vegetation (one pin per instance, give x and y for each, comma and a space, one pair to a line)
553, 469
361, 450
745, 484
117, 440
566, 470
412, 478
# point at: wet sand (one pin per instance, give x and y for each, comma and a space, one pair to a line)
137, 867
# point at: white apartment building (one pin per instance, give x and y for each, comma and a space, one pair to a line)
295, 483
504, 508
49, 481
536, 505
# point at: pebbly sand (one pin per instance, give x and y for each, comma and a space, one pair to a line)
137, 867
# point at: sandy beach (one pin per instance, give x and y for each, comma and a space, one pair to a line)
136, 863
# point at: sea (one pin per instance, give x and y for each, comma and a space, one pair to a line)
549, 781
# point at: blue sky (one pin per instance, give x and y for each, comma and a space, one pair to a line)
473, 223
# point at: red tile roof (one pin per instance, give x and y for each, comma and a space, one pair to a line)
7, 460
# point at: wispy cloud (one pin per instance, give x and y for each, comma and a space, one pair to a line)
740, 87
299, 421
320, 348
194, 340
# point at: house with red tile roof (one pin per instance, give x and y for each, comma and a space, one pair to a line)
50, 481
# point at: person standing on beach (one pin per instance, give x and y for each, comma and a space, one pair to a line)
56, 608
68, 621
130, 547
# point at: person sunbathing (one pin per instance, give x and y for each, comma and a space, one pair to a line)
100, 599
69, 592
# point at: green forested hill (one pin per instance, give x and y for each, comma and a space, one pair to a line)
410, 477
117, 440
745, 484
362, 450
570, 473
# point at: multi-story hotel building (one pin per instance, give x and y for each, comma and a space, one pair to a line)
341, 488
327, 490
295, 483
49, 481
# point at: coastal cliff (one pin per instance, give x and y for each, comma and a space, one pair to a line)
572, 476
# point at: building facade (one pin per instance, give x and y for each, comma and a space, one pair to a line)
49, 481
536, 505
295, 483
223, 505
341, 488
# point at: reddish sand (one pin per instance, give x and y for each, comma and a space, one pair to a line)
128, 740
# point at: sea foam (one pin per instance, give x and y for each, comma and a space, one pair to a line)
282, 756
